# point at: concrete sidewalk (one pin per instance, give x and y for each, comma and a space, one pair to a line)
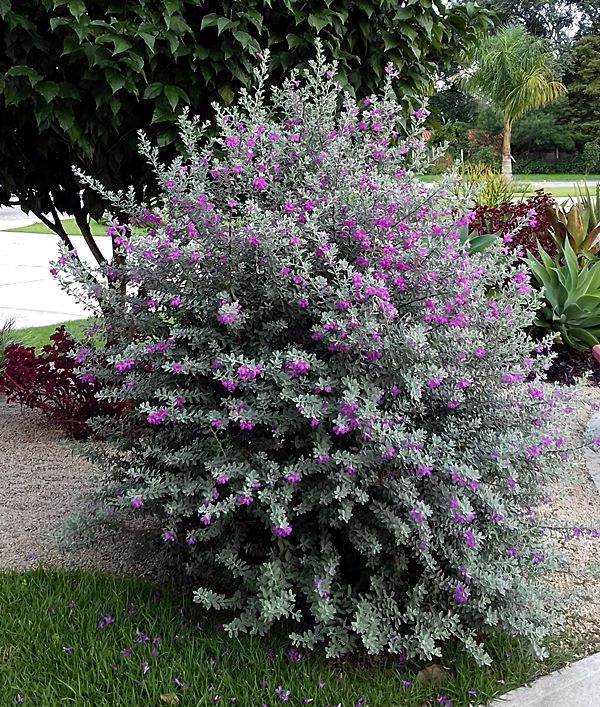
29, 295
578, 685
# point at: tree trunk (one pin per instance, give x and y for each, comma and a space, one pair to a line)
84, 226
55, 226
506, 156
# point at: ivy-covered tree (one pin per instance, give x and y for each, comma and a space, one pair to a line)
80, 78
582, 109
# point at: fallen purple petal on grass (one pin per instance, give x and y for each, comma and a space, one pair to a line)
126, 652
179, 683
295, 655
68, 650
19, 699
145, 668
284, 695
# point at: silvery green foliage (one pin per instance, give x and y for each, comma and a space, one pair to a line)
334, 409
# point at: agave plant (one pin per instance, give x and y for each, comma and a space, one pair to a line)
475, 242
579, 226
572, 297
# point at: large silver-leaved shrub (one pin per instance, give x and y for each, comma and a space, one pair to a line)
333, 408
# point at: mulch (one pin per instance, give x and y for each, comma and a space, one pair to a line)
570, 365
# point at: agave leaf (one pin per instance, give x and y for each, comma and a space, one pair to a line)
545, 276
579, 338
572, 266
590, 304
480, 242
548, 262
589, 278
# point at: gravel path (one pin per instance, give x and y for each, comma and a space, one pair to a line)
42, 481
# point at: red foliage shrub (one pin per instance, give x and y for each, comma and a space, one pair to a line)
51, 383
505, 217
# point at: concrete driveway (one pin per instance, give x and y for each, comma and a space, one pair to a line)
29, 295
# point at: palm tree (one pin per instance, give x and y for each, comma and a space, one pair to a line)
514, 71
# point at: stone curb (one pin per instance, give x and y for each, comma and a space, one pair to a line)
577, 685
592, 456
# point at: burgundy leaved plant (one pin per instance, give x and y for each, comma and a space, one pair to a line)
50, 382
506, 217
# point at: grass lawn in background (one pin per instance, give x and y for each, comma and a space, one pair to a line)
71, 637
526, 189
72, 229
40, 336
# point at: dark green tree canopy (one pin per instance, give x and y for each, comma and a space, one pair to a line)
549, 19
79, 78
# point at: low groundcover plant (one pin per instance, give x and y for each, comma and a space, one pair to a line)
333, 408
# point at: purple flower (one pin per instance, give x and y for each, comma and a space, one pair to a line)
303, 303
246, 373
294, 478
145, 668
136, 502
179, 683
126, 652
124, 365
229, 385
282, 532
169, 536
535, 392
19, 699
247, 424
68, 650
416, 516
423, 471
460, 594
469, 539
244, 500
259, 183
222, 479
87, 377
297, 367
157, 416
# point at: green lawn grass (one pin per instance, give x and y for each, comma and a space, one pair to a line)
527, 190
556, 177
72, 229
40, 336
70, 637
